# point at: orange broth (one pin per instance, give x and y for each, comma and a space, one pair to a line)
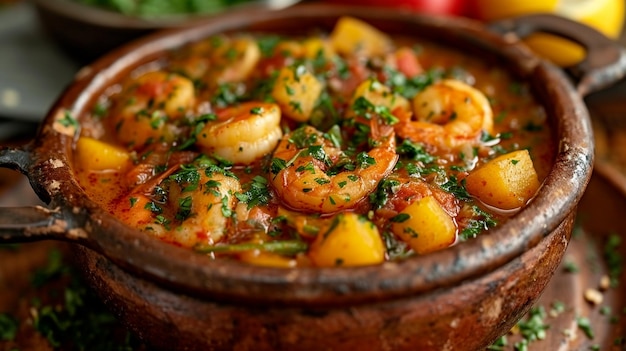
177, 184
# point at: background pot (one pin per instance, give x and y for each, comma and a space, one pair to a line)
459, 298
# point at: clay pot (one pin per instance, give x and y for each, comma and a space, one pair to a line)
461, 298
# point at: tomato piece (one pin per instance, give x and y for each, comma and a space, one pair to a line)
407, 62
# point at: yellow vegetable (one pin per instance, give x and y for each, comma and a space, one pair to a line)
506, 182
313, 46
425, 226
351, 35
296, 91
379, 95
351, 240
95, 155
607, 16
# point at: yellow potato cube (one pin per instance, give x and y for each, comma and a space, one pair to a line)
425, 226
313, 46
351, 240
506, 182
351, 36
95, 155
296, 90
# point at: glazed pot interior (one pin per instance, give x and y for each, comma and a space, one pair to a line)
181, 270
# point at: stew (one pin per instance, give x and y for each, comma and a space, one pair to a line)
333, 149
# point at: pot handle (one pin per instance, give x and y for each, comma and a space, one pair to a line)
605, 60
32, 223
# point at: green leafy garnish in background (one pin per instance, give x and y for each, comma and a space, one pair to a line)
162, 8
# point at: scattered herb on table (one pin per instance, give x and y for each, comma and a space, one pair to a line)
570, 267
68, 314
499, 344
613, 258
585, 325
557, 308
8, 326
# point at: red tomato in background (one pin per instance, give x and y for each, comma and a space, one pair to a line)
438, 7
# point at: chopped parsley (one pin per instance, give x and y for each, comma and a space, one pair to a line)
153, 207
67, 314
318, 153
613, 258
68, 120
226, 210
8, 326
408, 87
226, 95
532, 328
364, 160
396, 249
384, 190
415, 152
479, 223
267, 44
399, 218
257, 193
584, 324
364, 108
277, 165
188, 177
499, 344
197, 126
184, 208
455, 188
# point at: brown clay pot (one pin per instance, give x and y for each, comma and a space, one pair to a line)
461, 298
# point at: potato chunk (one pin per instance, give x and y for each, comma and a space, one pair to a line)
379, 95
296, 91
506, 182
316, 46
351, 36
425, 226
95, 155
351, 240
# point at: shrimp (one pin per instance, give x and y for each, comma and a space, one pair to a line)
148, 104
219, 60
448, 115
207, 212
198, 208
303, 158
243, 133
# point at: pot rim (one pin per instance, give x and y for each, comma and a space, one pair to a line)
232, 280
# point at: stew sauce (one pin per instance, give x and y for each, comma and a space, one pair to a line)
340, 149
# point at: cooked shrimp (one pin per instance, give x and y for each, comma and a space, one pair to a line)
147, 105
304, 184
219, 59
206, 211
243, 133
448, 115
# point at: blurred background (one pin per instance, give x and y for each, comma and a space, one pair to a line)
44, 42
